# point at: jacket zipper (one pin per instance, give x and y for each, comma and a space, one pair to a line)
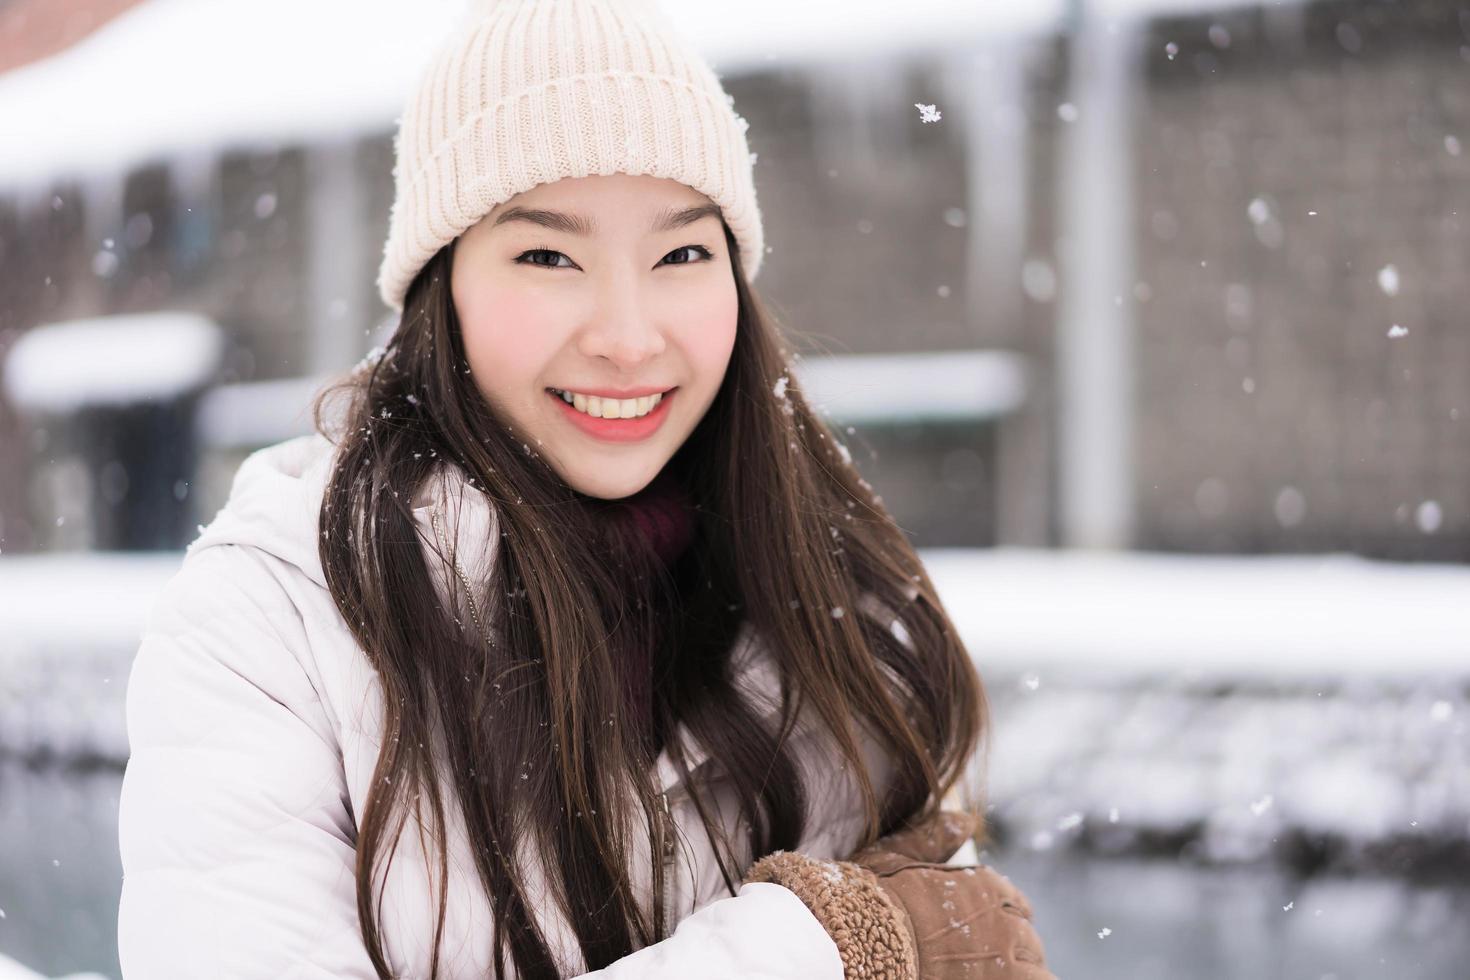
464, 580
667, 845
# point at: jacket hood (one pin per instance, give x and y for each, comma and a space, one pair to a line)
273, 503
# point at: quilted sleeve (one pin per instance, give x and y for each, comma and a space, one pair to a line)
237, 843
762, 933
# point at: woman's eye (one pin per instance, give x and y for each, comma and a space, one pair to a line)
527, 258
549, 258
703, 253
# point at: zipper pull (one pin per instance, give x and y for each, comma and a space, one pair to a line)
667, 835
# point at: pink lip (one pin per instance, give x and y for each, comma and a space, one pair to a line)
618, 430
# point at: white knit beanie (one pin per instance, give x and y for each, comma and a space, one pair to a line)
526, 92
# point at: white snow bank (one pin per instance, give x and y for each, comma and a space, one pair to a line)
111, 360
1232, 774
1103, 614
1076, 614
70, 624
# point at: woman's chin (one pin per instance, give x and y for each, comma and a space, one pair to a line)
610, 483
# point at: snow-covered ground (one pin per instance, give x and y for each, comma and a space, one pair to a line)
1240, 708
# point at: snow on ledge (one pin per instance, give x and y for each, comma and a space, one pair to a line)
1095, 614
1075, 613
112, 360
961, 385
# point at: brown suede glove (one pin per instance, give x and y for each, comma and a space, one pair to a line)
896, 912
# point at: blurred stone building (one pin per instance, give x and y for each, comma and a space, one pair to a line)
1293, 187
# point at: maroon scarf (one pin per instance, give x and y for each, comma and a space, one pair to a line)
663, 515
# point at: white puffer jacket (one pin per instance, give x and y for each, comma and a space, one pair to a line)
254, 722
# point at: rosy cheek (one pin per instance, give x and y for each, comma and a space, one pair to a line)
500, 344
711, 336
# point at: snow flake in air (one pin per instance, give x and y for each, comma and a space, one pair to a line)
927, 113
1396, 331
1428, 516
1388, 279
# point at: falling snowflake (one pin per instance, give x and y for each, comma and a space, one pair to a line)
1288, 906
1388, 279
779, 389
1104, 932
1262, 805
1396, 331
927, 113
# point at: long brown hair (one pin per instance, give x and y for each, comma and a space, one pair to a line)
789, 541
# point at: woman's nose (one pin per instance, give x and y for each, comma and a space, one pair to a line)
623, 331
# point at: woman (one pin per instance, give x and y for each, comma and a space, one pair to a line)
575, 625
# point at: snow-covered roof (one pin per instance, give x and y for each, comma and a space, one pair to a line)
111, 360
173, 76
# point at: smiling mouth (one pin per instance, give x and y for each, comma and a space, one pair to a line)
598, 407
615, 428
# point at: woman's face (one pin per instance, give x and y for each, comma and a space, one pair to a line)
615, 290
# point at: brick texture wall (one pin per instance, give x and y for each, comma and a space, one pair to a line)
1303, 186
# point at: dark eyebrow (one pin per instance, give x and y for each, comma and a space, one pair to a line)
574, 224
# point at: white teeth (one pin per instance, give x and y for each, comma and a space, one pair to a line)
610, 408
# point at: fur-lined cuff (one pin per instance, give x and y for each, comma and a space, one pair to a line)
871, 930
